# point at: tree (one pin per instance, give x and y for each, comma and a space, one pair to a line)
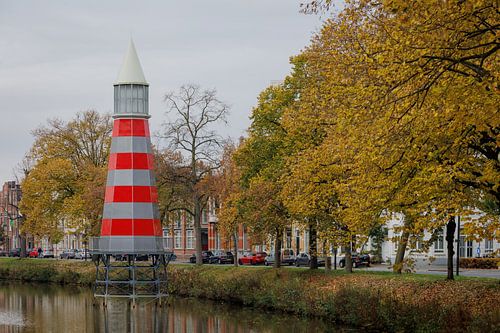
230, 195
390, 106
261, 160
191, 133
68, 176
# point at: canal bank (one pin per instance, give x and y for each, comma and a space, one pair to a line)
375, 300
35, 308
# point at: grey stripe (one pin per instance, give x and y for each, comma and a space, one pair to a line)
129, 244
130, 210
130, 178
130, 144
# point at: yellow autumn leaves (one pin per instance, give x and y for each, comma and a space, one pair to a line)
394, 107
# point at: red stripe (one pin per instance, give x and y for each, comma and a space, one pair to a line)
131, 194
130, 127
131, 227
119, 161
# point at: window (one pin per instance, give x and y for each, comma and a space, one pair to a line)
177, 219
189, 239
439, 243
288, 238
165, 232
178, 239
189, 221
419, 244
488, 246
131, 99
203, 217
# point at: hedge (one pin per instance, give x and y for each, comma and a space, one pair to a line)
484, 263
374, 301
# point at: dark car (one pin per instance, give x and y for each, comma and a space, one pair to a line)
138, 257
304, 259
357, 260
221, 257
171, 256
68, 254
16, 252
205, 255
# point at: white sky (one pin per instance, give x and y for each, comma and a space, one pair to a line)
61, 57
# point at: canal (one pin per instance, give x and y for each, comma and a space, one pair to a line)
42, 308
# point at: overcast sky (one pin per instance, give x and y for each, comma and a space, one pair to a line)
61, 57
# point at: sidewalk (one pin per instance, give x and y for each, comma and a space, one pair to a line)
442, 270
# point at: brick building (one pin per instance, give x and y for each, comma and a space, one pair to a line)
10, 216
180, 232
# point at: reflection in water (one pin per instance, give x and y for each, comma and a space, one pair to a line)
49, 308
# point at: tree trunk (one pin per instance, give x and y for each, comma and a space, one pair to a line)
313, 246
328, 259
348, 259
197, 231
235, 244
400, 254
22, 238
277, 248
450, 236
335, 257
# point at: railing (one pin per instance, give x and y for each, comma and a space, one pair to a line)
95, 244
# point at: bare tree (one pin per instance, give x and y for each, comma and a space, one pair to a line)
191, 132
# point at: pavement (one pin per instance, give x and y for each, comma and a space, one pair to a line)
420, 269
442, 270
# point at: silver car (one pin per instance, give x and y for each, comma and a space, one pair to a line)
82, 254
47, 254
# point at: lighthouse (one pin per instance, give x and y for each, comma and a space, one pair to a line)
131, 227
131, 222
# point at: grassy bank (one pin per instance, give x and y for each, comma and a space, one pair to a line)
378, 301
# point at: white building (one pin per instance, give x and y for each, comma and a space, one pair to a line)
437, 252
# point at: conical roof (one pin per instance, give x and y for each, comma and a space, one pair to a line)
131, 71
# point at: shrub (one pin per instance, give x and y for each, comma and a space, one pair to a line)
482, 263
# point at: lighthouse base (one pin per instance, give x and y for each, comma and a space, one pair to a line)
130, 277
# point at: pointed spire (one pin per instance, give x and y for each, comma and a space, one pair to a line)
131, 71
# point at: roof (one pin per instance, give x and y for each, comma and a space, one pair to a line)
131, 71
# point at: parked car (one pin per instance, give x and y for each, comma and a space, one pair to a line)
34, 253
68, 254
82, 254
16, 252
287, 258
47, 254
4, 253
138, 257
221, 257
357, 260
304, 259
204, 257
252, 258
171, 256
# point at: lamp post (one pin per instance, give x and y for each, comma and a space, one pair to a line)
458, 244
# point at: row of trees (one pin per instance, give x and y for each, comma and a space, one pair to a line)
393, 108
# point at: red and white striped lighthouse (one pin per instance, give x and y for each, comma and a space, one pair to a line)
130, 222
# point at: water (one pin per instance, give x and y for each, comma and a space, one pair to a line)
44, 308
